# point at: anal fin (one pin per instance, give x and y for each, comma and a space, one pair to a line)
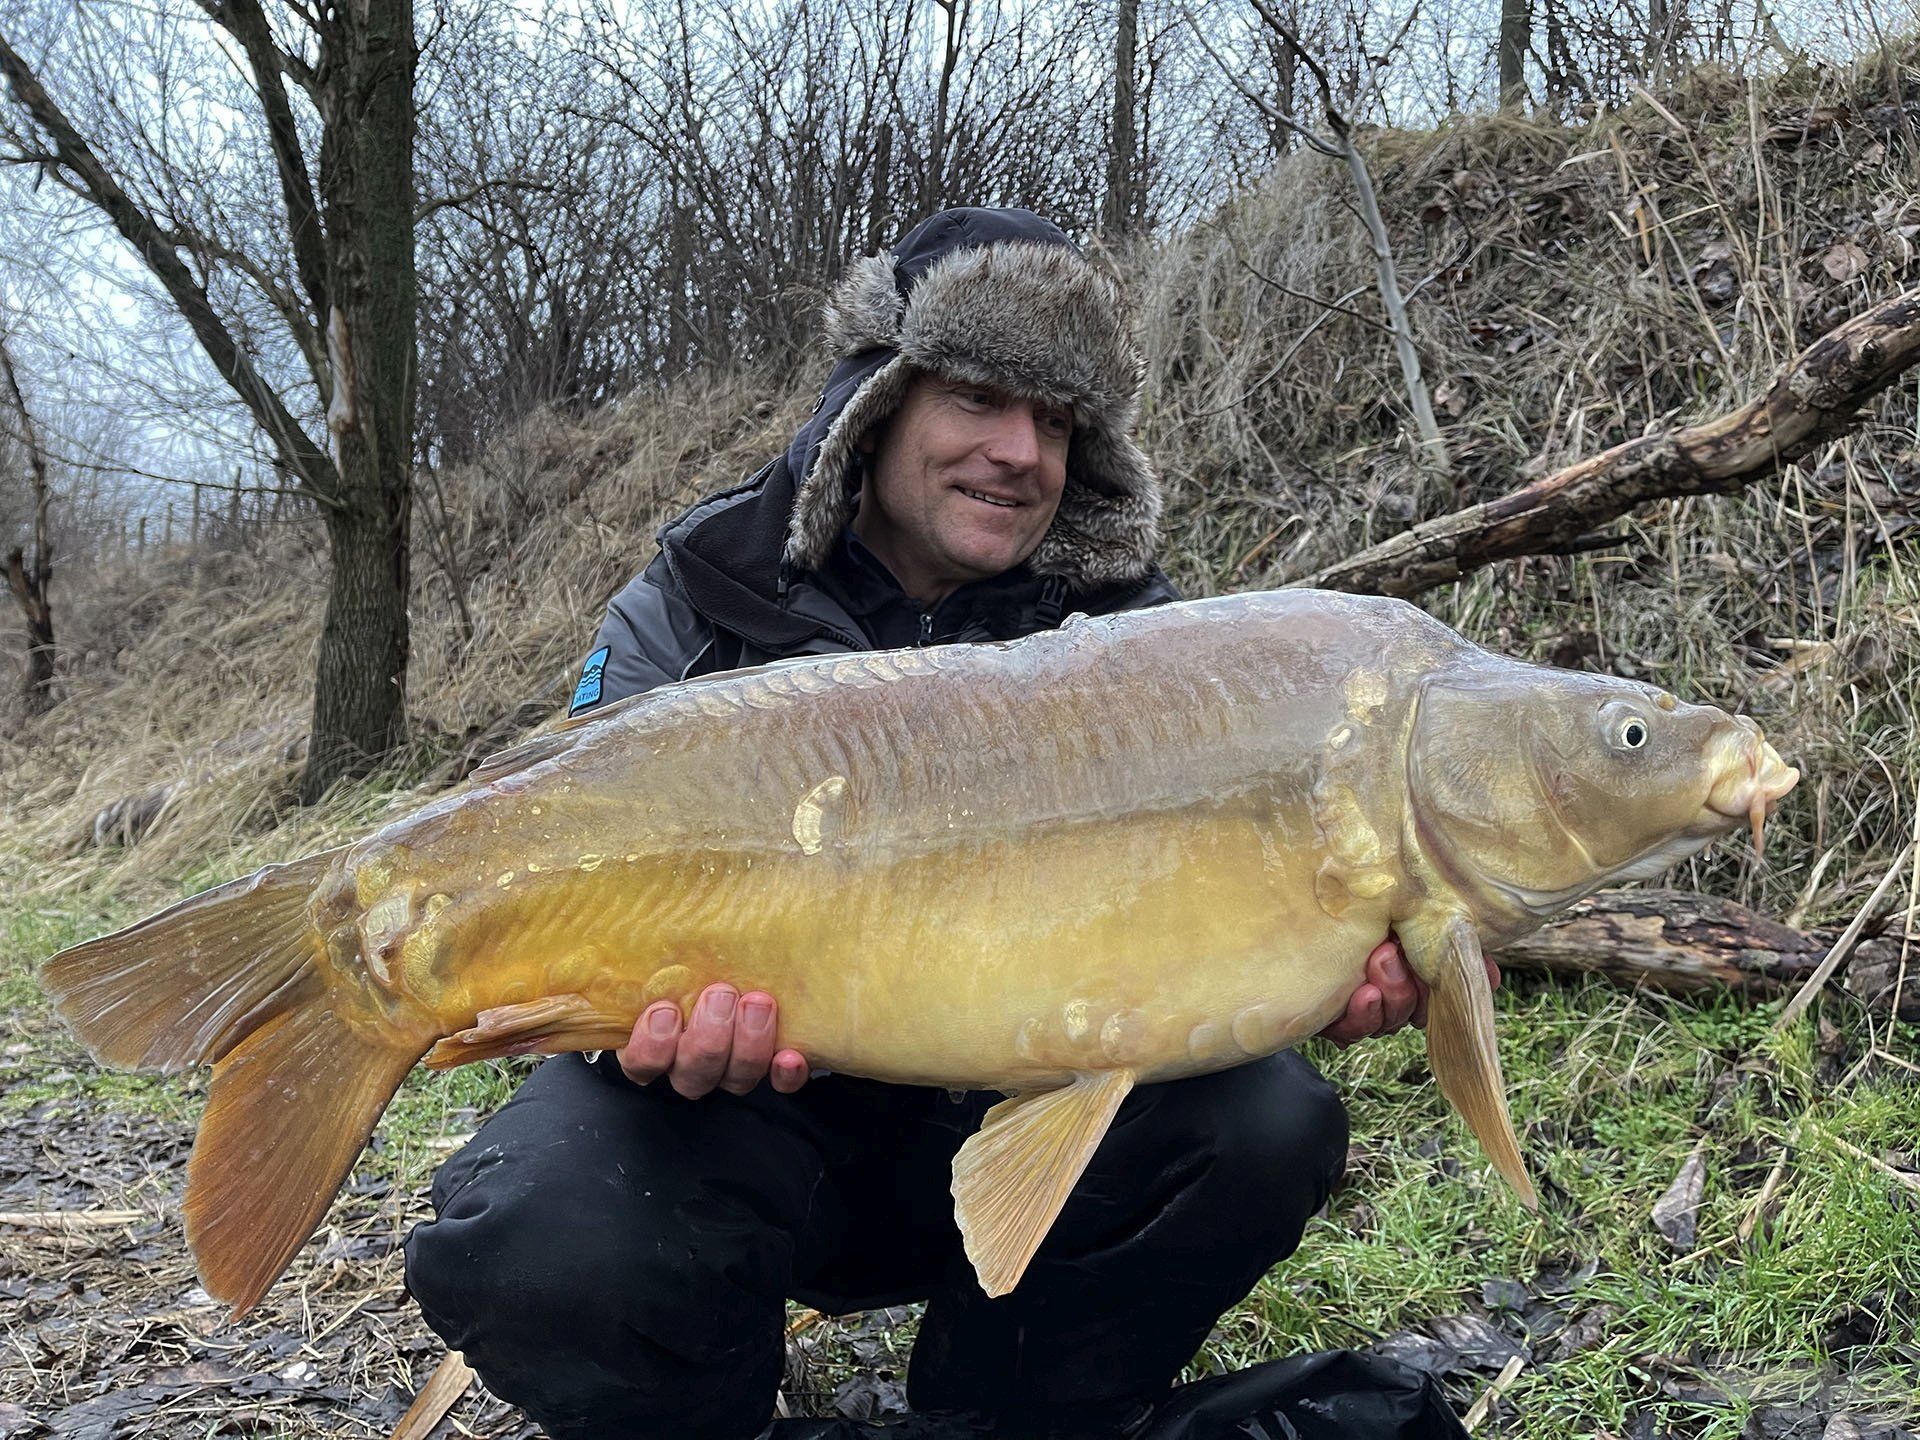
551, 1025
1464, 1053
1011, 1178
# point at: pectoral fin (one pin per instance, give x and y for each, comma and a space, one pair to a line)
1462, 1049
551, 1025
1010, 1179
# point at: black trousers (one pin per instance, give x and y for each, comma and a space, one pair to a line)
615, 1260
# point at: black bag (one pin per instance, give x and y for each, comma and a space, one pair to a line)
1334, 1395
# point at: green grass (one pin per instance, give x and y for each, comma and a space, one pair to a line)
1611, 1092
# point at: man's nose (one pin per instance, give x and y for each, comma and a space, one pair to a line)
1015, 441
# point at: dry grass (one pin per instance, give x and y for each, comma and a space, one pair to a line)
1579, 286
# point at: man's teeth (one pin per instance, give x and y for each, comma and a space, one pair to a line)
989, 499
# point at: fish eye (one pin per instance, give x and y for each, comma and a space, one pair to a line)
1626, 726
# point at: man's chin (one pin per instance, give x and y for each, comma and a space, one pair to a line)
984, 562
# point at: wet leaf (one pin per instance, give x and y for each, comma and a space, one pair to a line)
1479, 1345
1844, 260
1504, 1295
1676, 1214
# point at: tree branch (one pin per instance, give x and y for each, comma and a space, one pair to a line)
247, 23
1815, 398
295, 447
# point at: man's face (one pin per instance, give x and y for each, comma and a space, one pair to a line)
963, 483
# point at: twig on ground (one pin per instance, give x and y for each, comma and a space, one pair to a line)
443, 1389
66, 1220
1484, 1405
1841, 947
1906, 926
1900, 1177
1759, 1206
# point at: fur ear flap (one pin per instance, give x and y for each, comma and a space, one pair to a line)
864, 311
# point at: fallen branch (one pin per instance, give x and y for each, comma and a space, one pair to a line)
70, 1220
1676, 941
1814, 399
1671, 940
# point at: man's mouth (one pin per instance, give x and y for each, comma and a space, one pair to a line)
986, 499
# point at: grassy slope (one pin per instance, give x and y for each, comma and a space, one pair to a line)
1582, 315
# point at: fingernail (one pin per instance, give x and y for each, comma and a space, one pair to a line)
720, 1005
756, 1014
662, 1021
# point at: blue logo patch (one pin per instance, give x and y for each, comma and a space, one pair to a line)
587, 692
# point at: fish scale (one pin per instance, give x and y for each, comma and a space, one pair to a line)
1138, 847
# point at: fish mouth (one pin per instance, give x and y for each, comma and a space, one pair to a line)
1750, 779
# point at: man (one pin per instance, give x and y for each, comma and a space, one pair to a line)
614, 1249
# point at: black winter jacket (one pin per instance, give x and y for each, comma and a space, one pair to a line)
717, 597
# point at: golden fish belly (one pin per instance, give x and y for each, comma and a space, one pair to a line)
1169, 942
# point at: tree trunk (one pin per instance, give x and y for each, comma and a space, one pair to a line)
29, 587
366, 181
357, 273
29, 580
1515, 20
359, 711
1116, 221
933, 185
880, 211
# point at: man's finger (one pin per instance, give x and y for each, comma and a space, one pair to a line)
648, 1054
708, 1041
1361, 1020
1399, 992
753, 1029
790, 1071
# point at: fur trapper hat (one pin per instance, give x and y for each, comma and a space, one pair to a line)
999, 298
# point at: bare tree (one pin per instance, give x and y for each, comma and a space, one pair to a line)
1341, 147
1515, 20
343, 291
1122, 206
30, 566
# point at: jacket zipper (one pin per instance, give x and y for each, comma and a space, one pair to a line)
926, 628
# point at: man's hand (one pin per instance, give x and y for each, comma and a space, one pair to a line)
728, 1043
1388, 998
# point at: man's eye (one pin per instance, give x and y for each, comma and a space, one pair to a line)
1057, 423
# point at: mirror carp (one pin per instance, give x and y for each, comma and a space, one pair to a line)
1138, 847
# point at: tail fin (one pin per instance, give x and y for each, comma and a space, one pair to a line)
290, 1109
185, 986
301, 1070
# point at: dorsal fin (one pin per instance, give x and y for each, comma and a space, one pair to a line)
543, 746
562, 736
